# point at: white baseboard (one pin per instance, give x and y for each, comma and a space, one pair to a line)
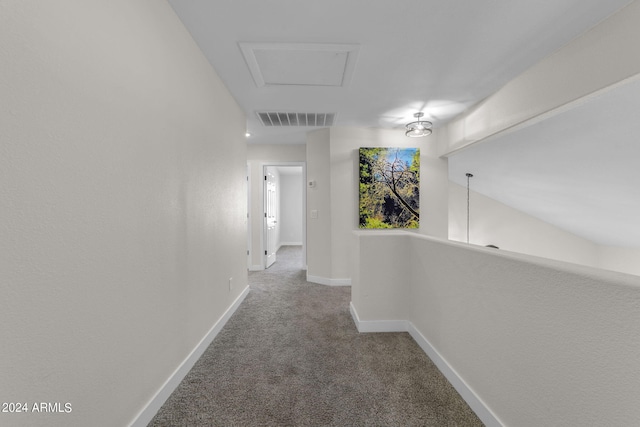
328, 282
256, 267
153, 406
291, 244
377, 325
475, 403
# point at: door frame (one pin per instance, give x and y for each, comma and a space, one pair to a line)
304, 209
271, 203
248, 220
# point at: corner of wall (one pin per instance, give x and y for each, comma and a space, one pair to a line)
319, 204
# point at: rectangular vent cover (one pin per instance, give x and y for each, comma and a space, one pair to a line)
297, 119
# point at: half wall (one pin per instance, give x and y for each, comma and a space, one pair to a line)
527, 341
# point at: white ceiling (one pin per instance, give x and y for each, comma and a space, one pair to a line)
435, 56
440, 57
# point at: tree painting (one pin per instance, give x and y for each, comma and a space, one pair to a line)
389, 187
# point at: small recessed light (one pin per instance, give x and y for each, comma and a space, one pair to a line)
247, 134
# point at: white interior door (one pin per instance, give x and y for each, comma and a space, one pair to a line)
271, 218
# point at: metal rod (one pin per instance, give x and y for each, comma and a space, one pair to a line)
468, 177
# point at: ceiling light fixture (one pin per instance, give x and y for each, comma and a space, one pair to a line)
418, 128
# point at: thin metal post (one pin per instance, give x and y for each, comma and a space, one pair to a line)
468, 177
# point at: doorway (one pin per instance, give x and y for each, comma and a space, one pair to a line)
284, 206
271, 215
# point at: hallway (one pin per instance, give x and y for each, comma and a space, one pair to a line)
292, 356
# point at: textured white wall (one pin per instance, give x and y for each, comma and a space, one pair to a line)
619, 259
339, 185
492, 222
319, 199
540, 342
291, 192
345, 145
121, 159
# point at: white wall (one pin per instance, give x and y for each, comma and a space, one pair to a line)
619, 259
527, 341
602, 57
259, 155
122, 156
319, 200
492, 222
332, 160
291, 193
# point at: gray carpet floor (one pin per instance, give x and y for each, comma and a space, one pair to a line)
292, 356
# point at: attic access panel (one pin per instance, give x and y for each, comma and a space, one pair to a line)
300, 64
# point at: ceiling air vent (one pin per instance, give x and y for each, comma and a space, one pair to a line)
297, 119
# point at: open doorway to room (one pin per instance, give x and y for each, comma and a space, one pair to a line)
283, 221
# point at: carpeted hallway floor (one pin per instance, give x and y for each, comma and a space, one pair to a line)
291, 356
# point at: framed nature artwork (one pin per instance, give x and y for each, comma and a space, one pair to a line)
389, 187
